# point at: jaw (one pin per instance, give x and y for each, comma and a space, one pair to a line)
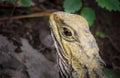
79, 64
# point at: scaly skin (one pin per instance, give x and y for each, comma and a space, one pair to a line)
77, 50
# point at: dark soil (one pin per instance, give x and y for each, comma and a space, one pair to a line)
36, 30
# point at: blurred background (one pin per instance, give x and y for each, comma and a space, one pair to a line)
26, 46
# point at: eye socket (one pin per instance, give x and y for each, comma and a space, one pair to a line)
66, 32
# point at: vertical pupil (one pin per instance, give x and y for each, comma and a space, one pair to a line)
66, 32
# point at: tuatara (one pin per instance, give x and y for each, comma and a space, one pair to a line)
77, 50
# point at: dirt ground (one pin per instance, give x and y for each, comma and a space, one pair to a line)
37, 32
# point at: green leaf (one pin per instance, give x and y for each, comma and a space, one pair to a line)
100, 34
30, 37
26, 3
109, 73
89, 14
109, 4
71, 6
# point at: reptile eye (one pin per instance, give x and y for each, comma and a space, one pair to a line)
66, 32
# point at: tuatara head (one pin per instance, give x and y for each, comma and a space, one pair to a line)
77, 50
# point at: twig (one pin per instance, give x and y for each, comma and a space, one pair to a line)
38, 14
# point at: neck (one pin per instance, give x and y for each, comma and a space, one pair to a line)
78, 70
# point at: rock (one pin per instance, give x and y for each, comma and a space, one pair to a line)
46, 39
37, 65
10, 66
